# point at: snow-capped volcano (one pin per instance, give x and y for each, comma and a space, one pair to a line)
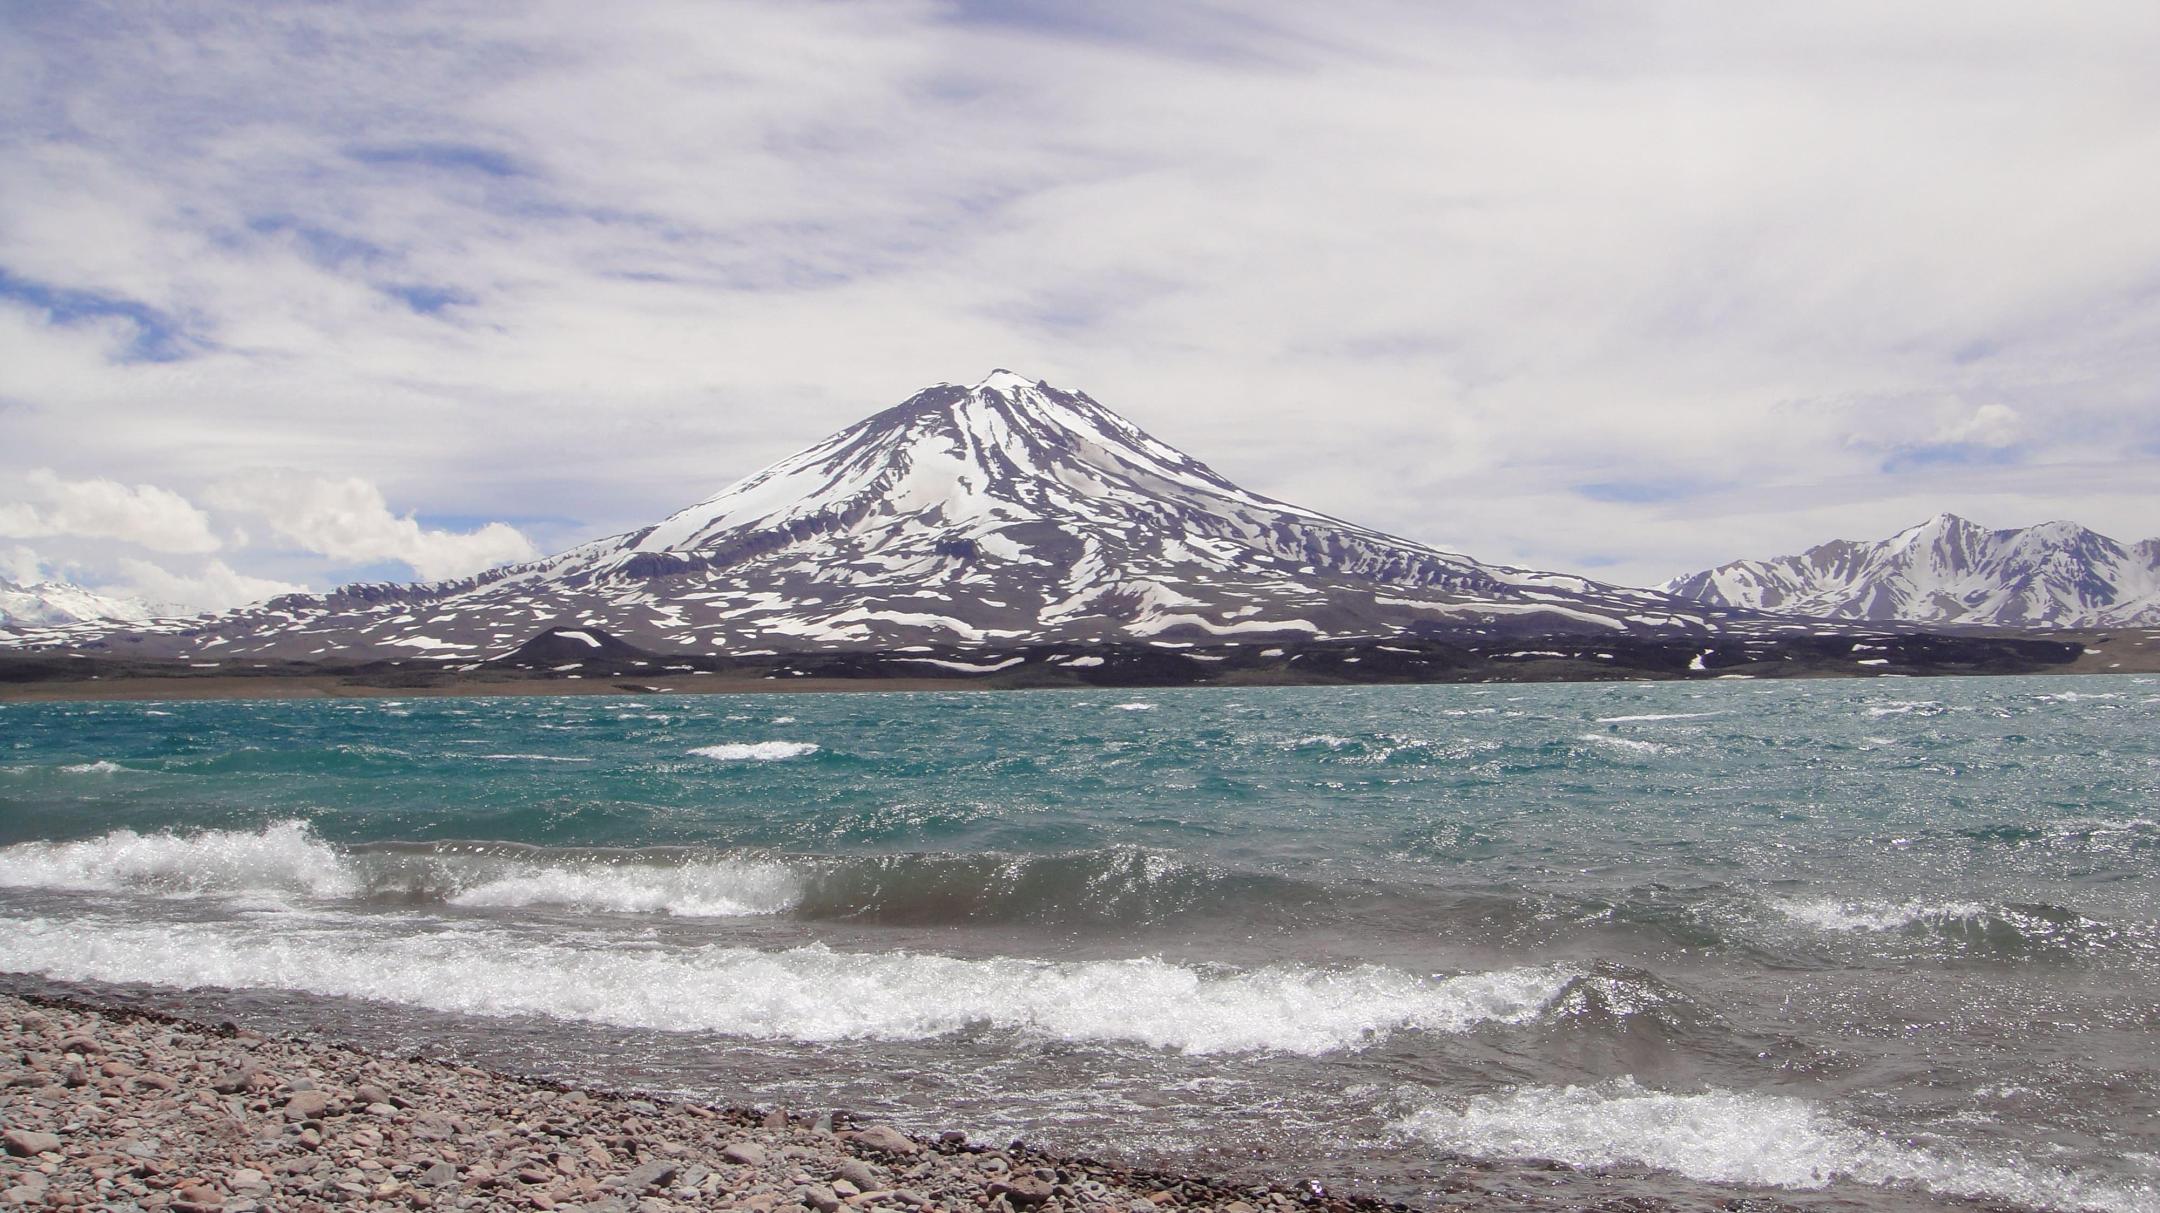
1003, 512
1951, 571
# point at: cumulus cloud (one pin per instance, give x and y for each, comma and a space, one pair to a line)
141, 514
21, 565
348, 519
213, 586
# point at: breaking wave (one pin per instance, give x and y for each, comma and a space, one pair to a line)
1763, 1140
1122, 886
806, 993
281, 858
2009, 929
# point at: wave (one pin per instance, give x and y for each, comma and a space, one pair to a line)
1125, 886
100, 767
1630, 744
806, 993
1652, 716
2005, 929
282, 858
286, 859
1723, 1137
756, 751
1908, 707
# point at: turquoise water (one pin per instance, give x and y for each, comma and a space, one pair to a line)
1867, 944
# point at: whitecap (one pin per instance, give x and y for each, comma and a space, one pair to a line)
697, 890
1626, 743
756, 751
1134, 707
1724, 1137
100, 767
1832, 915
806, 993
285, 856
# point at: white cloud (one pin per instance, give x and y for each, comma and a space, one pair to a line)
1425, 266
214, 586
21, 565
142, 514
348, 519
1991, 425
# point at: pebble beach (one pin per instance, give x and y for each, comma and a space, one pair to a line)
123, 1111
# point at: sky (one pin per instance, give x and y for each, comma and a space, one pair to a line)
298, 294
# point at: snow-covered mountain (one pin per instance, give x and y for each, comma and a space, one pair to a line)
49, 603
1002, 513
1951, 571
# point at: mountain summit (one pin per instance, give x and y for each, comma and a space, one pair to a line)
1948, 570
1003, 512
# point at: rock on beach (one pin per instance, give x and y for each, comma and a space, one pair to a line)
121, 1110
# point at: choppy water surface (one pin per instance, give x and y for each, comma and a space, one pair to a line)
1887, 944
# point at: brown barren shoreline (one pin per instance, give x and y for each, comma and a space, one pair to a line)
115, 1109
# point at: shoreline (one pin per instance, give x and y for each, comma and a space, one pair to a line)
45, 677
103, 1105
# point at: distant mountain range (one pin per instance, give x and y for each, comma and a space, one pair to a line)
1006, 512
53, 603
1948, 570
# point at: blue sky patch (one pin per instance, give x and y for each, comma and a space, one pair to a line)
159, 336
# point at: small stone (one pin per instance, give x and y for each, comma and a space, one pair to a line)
654, 1174
232, 1082
857, 1172
28, 1143
1023, 1191
440, 1175
381, 1110
744, 1153
306, 1105
775, 1119
369, 1093
821, 1198
79, 1043
247, 1179
155, 1082
885, 1140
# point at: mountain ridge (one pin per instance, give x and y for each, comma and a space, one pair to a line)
50, 603
1949, 570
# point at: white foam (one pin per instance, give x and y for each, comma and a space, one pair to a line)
1899, 707
1833, 915
756, 751
1134, 707
527, 758
1764, 1140
100, 767
284, 857
1626, 743
1656, 716
808, 993
698, 890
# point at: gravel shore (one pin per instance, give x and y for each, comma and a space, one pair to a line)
132, 1111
